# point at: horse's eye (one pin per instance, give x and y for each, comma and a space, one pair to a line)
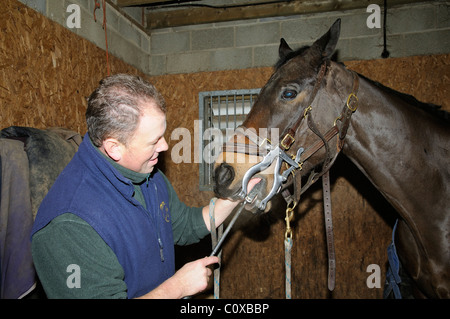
288, 94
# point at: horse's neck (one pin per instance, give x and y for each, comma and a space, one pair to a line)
395, 146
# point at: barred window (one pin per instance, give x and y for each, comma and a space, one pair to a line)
220, 113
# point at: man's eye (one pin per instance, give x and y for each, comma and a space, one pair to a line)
288, 94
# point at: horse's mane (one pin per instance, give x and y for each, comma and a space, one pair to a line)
433, 109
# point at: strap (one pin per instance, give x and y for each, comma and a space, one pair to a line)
288, 135
288, 247
329, 230
287, 263
319, 144
349, 108
248, 149
393, 278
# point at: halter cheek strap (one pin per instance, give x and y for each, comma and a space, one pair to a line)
350, 107
289, 134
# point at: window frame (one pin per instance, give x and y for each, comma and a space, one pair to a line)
206, 169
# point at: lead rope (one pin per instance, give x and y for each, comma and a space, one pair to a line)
218, 237
287, 262
288, 248
329, 230
216, 234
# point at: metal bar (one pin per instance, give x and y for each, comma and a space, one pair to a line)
207, 102
235, 118
227, 230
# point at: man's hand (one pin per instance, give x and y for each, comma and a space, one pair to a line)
189, 280
193, 277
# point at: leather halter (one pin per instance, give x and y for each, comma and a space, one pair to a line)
262, 147
350, 106
289, 134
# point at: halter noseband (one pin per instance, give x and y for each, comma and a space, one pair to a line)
263, 147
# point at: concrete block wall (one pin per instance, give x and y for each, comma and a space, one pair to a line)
413, 29
126, 39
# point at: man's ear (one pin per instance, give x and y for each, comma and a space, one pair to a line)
113, 148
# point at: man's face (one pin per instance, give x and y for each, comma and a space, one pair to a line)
142, 150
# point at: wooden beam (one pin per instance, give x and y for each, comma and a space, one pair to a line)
193, 15
128, 3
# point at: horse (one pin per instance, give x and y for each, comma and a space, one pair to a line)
323, 109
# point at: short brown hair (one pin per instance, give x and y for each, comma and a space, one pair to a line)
114, 108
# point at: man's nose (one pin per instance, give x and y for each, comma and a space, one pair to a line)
163, 145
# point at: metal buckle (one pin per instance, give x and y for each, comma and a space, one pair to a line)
348, 102
289, 215
307, 110
283, 144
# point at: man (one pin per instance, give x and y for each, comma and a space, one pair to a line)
107, 227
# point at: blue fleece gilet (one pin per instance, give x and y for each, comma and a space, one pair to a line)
94, 190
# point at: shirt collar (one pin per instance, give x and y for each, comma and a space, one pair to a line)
134, 177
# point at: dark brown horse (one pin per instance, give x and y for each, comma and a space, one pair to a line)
396, 141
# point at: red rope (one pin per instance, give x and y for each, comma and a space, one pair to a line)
97, 6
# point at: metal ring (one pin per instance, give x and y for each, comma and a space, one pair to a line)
288, 234
339, 118
348, 102
309, 108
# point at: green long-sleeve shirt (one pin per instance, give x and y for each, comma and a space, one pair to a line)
69, 240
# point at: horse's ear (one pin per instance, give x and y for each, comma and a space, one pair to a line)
284, 49
327, 43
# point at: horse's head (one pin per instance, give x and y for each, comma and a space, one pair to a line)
270, 141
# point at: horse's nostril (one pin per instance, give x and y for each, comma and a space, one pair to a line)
224, 174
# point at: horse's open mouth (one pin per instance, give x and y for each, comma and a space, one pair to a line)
257, 194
